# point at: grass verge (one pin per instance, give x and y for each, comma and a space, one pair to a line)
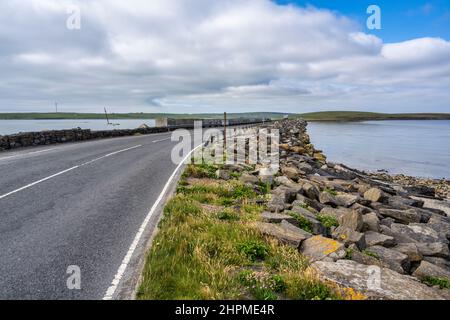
208, 247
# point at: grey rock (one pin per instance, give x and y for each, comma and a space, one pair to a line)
349, 236
396, 260
375, 239
398, 202
310, 202
440, 224
362, 258
291, 172
277, 204
311, 191
410, 249
271, 217
419, 232
391, 285
387, 222
371, 222
285, 236
287, 194
223, 174
328, 199
437, 249
399, 237
402, 216
288, 225
305, 167
335, 212
352, 220
427, 269
248, 178
361, 208
440, 262
347, 199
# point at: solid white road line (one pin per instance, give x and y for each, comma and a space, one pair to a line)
37, 182
65, 171
126, 260
161, 140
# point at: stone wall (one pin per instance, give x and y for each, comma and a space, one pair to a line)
26, 139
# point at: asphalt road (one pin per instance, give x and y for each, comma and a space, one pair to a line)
76, 204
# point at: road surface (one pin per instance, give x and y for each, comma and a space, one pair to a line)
77, 204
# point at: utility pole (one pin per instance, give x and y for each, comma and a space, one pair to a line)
56, 107
224, 132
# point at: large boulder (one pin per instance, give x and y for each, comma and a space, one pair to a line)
352, 220
318, 248
375, 282
282, 234
311, 191
285, 181
248, 178
286, 193
402, 216
440, 262
420, 232
291, 172
375, 195
327, 199
411, 250
378, 239
426, 270
347, 199
335, 212
436, 249
272, 217
396, 260
349, 236
371, 222
288, 225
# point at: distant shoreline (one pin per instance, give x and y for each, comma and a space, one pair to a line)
133, 116
324, 116
355, 116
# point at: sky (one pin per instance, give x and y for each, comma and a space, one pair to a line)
189, 56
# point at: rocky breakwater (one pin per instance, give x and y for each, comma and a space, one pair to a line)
356, 230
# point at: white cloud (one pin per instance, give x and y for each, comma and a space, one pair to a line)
197, 56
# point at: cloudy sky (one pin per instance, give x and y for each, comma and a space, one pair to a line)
224, 55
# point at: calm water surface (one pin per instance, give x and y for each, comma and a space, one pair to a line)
412, 147
15, 126
417, 148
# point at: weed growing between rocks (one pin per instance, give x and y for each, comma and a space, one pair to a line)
435, 281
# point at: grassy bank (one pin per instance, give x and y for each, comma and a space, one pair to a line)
366, 116
124, 116
209, 248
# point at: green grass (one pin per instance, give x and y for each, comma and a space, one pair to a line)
371, 254
330, 191
443, 283
364, 116
201, 253
302, 222
327, 220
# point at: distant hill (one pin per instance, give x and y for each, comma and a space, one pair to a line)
63, 115
365, 116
